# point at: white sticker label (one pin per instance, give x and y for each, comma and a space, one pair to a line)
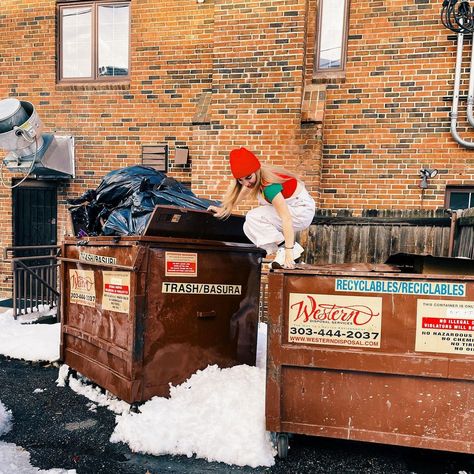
201, 288
116, 291
445, 326
90, 257
401, 287
82, 287
181, 264
335, 320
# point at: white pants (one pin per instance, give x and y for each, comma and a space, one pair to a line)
263, 224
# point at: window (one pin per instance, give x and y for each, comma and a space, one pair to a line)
94, 41
331, 36
459, 197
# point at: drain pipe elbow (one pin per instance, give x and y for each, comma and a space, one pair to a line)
457, 137
470, 112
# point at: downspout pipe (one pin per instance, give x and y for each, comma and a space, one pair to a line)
457, 82
470, 94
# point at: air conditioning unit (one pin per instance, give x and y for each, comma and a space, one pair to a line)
30, 151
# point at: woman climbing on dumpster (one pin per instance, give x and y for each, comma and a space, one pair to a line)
285, 206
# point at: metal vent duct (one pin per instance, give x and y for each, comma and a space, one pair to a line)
29, 150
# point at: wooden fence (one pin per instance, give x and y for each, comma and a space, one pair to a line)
464, 236
375, 235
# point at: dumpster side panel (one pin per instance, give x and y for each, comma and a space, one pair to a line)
209, 317
392, 362
102, 314
415, 411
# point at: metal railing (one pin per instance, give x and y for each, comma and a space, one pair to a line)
35, 277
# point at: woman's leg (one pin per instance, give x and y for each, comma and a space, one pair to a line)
302, 209
263, 228
263, 224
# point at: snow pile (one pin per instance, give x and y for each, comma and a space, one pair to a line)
39, 311
35, 342
94, 394
14, 459
217, 414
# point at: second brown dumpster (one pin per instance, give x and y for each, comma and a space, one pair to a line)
377, 356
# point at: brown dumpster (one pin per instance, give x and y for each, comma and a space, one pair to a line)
370, 353
139, 313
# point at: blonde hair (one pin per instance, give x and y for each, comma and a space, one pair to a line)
267, 174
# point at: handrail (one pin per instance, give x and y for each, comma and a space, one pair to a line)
28, 270
33, 283
28, 247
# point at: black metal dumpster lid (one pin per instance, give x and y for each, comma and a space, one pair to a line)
430, 264
174, 221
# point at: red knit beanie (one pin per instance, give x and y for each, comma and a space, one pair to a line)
243, 163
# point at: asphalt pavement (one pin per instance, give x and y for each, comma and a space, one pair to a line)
59, 431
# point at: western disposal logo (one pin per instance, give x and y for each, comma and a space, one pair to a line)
335, 320
200, 288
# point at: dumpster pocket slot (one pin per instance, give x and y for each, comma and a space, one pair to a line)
206, 314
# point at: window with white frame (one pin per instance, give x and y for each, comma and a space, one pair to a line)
459, 197
94, 40
332, 24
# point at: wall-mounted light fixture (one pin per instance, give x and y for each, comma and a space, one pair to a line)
199, 1
425, 174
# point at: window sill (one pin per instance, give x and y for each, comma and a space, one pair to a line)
93, 86
325, 77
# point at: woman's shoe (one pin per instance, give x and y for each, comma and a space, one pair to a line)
280, 255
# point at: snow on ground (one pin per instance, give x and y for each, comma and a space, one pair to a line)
82, 386
5, 419
14, 459
35, 342
217, 414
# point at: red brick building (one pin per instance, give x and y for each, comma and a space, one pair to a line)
214, 74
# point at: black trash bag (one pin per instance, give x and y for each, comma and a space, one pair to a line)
142, 203
119, 222
118, 185
171, 183
86, 219
139, 223
124, 200
189, 201
88, 196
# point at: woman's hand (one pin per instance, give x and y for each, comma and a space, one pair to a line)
218, 211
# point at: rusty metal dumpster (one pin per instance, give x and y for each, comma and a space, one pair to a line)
370, 353
139, 313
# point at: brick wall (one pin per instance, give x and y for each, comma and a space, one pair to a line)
384, 121
257, 78
390, 116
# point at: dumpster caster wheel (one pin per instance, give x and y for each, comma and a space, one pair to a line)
282, 445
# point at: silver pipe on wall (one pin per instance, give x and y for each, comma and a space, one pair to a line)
457, 83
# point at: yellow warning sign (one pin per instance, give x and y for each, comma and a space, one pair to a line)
116, 291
